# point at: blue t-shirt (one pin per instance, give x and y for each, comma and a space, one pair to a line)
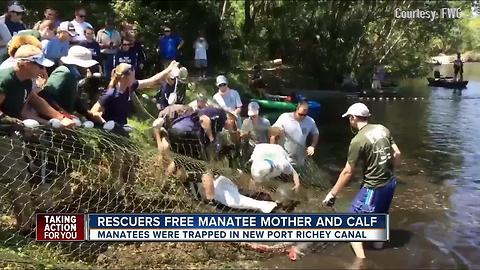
168, 46
117, 106
128, 57
94, 47
54, 49
14, 27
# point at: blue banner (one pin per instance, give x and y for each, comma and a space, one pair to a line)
237, 221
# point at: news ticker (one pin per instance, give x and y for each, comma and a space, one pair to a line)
212, 227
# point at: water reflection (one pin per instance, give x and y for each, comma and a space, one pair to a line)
439, 183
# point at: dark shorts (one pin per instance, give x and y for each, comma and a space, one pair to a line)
374, 200
457, 69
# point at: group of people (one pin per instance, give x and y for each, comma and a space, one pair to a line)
275, 152
109, 46
30, 96
278, 152
169, 47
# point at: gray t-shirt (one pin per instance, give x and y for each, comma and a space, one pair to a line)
296, 134
258, 130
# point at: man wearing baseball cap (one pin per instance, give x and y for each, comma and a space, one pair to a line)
58, 46
13, 19
255, 127
16, 85
228, 98
374, 146
15, 92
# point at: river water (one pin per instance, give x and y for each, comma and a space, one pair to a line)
435, 215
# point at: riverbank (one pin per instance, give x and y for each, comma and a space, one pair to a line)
468, 56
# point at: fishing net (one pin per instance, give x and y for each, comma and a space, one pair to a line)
45, 170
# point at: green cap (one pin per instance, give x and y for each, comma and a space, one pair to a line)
30, 32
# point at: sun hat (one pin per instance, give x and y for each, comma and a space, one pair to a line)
253, 108
80, 56
67, 27
357, 109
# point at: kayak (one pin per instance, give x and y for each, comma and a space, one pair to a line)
284, 105
447, 83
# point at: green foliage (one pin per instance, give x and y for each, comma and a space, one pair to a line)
324, 38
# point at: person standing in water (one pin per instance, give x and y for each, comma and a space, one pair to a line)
374, 147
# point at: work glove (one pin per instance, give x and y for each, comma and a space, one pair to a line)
329, 199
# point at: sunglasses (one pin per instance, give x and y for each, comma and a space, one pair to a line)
126, 44
302, 114
82, 16
18, 13
222, 85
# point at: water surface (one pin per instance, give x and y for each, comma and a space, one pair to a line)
435, 216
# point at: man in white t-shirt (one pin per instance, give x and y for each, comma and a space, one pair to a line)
296, 127
228, 99
80, 24
270, 161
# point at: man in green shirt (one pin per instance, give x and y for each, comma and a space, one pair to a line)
16, 87
15, 91
61, 90
375, 147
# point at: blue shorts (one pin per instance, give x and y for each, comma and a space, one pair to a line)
374, 200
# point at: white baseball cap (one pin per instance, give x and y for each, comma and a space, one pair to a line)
253, 108
221, 79
67, 27
357, 109
264, 169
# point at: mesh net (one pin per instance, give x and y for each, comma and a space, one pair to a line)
91, 170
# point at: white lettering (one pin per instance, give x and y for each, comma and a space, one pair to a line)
329, 221
361, 221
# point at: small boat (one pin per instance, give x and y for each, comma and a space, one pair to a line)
447, 82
